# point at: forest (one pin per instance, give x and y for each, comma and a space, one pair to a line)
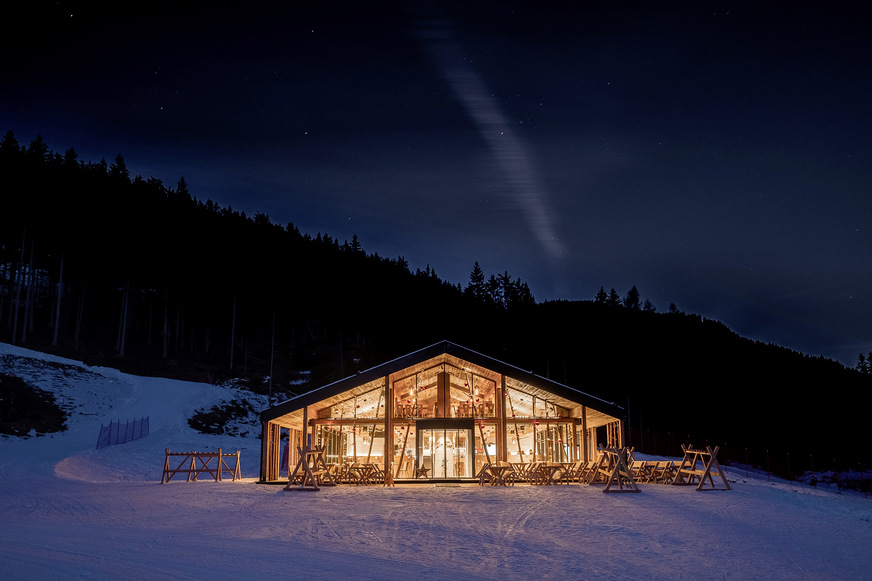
132, 273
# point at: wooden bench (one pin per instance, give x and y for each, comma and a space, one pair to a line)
696, 468
311, 471
612, 468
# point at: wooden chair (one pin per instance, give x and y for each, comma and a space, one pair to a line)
534, 476
377, 473
509, 476
484, 477
572, 471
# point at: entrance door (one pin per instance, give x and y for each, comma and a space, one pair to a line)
445, 452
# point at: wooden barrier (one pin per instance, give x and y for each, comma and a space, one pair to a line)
195, 463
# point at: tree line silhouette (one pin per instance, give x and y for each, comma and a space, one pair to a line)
130, 272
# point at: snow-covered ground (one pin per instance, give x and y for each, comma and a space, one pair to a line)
70, 511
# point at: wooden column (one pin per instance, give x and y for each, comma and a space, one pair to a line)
270, 452
621, 438
264, 451
389, 425
501, 429
305, 442
443, 395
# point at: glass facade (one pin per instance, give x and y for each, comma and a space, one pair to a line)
445, 418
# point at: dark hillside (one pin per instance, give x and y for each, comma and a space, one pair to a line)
687, 379
131, 273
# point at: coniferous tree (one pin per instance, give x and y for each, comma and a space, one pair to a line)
632, 299
70, 159
37, 152
356, 248
118, 170
492, 291
9, 147
601, 297
864, 364
475, 288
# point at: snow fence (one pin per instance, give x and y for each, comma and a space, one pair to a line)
115, 433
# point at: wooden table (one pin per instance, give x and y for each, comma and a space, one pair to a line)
521, 469
548, 471
360, 474
498, 473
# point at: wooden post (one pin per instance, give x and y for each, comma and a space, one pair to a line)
389, 426
501, 430
305, 442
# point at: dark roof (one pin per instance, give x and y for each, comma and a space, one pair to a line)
435, 350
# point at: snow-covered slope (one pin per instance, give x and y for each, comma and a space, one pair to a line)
70, 511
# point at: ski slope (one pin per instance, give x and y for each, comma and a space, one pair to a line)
70, 511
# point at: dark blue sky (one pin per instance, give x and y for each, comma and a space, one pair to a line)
717, 155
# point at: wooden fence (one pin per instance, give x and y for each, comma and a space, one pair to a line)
195, 463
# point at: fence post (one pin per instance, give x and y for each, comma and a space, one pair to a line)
166, 469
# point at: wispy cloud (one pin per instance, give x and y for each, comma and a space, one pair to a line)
497, 131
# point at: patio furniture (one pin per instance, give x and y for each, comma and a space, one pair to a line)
360, 473
311, 470
550, 473
696, 467
612, 468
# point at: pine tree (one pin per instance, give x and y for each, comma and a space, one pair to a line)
475, 288
9, 145
864, 365
632, 299
118, 170
182, 189
37, 152
601, 297
492, 291
70, 159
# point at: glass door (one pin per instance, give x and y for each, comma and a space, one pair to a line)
445, 453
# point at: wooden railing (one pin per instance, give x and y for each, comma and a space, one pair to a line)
195, 463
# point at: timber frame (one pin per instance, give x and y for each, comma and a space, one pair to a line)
481, 409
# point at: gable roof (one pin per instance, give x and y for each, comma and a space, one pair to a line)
289, 412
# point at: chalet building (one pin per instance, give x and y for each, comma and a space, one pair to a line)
440, 413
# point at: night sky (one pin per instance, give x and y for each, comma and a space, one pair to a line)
717, 155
